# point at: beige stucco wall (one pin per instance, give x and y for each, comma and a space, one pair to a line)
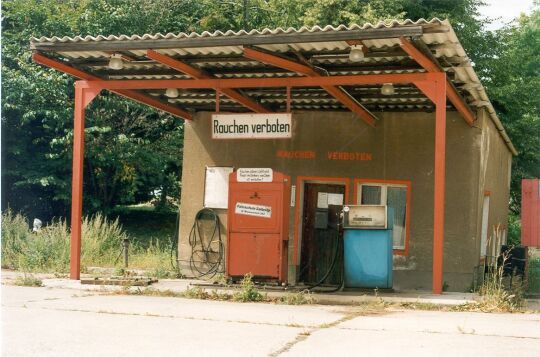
402, 148
493, 178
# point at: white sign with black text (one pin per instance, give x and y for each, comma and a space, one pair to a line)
254, 175
250, 209
252, 126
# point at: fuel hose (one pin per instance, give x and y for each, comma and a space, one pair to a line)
207, 250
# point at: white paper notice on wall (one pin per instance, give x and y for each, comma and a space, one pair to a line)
322, 200
293, 195
216, 187
254, 175
335, 199
249, 209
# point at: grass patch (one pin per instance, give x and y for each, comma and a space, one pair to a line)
145, 225
49, 249
28, 280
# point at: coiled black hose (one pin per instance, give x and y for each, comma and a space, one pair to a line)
209, 254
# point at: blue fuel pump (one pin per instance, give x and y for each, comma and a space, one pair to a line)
367, 246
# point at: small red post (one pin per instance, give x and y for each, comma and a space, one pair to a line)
83, 96
438, 204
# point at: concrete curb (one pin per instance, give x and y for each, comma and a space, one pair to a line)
340, 298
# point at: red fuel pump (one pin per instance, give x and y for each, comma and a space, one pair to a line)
258, 224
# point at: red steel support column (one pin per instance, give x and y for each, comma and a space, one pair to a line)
438, 205
83, 96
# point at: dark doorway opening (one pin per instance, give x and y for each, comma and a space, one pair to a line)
321, 207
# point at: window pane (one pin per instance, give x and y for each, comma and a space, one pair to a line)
397, 199
371, 195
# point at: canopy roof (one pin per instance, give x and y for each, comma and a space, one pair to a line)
312, 51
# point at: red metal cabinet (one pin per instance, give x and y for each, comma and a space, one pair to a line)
256, 253
258, 228
256, 195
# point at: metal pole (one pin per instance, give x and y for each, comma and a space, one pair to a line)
125, 243
77, 185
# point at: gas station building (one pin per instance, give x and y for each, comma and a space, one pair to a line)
385, 114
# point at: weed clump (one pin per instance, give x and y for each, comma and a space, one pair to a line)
495, 295
300, 298
248, 292
28, 280
195, 293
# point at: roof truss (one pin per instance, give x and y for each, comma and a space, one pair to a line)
199, 74
336, 92
429, 65
131, 94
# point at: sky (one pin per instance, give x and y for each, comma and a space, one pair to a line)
505, 11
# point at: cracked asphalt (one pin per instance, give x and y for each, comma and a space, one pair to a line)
65, 322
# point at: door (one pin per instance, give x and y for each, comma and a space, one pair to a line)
321, 207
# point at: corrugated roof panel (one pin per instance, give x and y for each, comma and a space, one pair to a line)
265, 31
226, 61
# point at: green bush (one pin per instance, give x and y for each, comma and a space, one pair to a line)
534, 276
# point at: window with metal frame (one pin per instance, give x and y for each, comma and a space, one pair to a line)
394, 196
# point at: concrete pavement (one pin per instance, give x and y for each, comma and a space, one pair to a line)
66, 322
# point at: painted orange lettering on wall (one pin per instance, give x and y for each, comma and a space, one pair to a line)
296, 154
349, 156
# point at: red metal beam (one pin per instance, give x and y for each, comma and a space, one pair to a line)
139, 97
336, 92
429, 66
402, 78
439, 184
83, 97
198, 74
435, 89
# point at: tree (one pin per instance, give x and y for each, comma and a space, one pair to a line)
131, 150
513, 89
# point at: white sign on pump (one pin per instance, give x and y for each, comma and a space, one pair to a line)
252, 126
250, 209
254, 175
